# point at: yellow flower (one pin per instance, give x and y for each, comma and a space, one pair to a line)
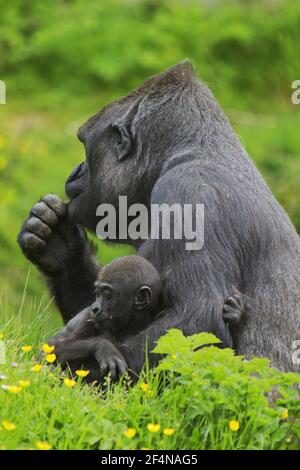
82, 373
47, 349
1, 335
69, 383
42, 445
27, 348
24, 383
173, 356
153, 427
144, 387
36, 367
284, 414
2, 142
14, 389
50, 358
8, 426
130, 433
234, 425
168, 431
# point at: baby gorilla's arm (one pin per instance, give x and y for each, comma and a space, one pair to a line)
105, 353
79, 327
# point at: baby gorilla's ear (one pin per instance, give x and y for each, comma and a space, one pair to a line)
142, 297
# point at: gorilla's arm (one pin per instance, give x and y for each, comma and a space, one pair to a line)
108, 358
63, 254
79, 327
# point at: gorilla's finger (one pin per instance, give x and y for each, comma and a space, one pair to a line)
38, 227
234, 301
56, 204
231, 316
122, 366
113, 369
31, 243
43, 212
103, 368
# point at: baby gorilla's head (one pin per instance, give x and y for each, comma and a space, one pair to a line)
128, 295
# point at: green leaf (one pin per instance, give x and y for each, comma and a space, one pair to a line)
174, 341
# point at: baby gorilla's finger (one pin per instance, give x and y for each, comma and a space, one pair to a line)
122, 366
231, 316
56, 204
43, 212
233, 302
32, 243
112, 369
39, 228
103, 368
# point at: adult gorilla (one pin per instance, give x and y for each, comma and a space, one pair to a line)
168, 141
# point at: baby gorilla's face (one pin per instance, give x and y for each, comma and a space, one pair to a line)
128, 294
105, 305
120, 304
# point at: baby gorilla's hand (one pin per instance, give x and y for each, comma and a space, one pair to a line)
110, 359
233, 309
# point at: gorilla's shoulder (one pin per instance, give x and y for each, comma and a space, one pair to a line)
188, 178
177, 179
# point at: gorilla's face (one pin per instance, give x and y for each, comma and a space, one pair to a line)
129, 141
109, 169
122, 303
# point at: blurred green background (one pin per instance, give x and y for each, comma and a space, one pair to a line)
62, 60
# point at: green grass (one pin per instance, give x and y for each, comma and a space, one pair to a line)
38, 149
57, 75
206, 393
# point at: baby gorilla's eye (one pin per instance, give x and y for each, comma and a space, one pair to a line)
107, 294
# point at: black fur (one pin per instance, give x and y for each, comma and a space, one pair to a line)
126, 312
169, 142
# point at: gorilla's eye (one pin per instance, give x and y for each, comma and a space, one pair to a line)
107, 293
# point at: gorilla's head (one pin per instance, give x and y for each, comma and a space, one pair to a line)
128, 295
130, 140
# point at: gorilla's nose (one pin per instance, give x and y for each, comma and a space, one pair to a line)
76, 172
75, 182
96, 308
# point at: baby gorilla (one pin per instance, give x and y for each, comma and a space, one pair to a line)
128, 299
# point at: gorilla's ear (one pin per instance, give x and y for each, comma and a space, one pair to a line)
123, 146
142, 297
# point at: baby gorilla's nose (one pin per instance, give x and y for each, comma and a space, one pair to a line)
96, 308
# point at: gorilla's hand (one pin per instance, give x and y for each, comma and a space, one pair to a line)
233, 309
47, 240
110, 359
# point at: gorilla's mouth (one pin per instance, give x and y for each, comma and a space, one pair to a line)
74, 184
102, 325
